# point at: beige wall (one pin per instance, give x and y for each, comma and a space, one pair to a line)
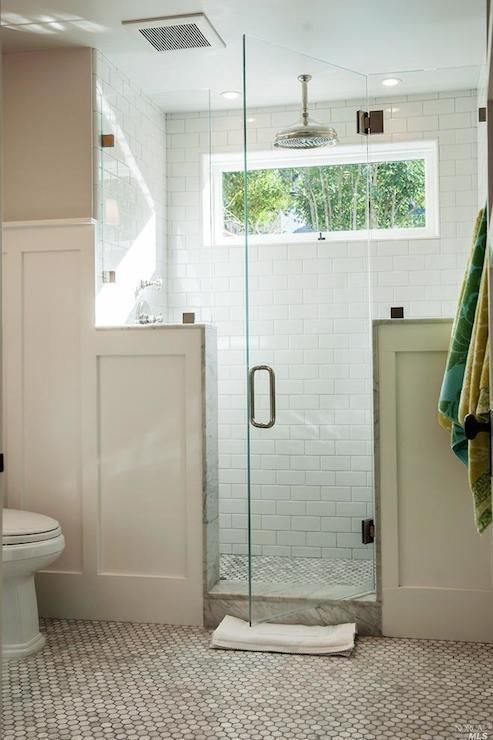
47, 140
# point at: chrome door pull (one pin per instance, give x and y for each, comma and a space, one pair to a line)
272, 397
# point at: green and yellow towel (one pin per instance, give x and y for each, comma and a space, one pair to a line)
465, 387
475, 399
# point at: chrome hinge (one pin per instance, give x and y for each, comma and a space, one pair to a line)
481, 115
367, 531
108, 276
2, 462
369, 122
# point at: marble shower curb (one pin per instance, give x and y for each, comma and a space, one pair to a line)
366, 613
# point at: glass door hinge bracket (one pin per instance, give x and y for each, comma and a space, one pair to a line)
369, 122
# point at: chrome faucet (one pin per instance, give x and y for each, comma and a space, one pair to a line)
156, 283
142, 317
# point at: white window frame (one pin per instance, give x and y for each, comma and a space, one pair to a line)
215, 165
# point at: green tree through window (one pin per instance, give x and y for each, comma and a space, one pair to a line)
327, 198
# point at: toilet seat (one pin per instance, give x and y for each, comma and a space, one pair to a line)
22, 527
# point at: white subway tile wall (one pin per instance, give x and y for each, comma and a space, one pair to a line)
312, 478
130, 193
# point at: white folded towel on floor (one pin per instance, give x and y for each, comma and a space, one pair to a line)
235, 634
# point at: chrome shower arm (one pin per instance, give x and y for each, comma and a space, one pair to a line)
304, 79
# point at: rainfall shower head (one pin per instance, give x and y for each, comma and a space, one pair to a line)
306, 133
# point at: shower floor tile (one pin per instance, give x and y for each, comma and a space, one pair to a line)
299, 571
120, 681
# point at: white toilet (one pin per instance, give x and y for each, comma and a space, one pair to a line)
30, 542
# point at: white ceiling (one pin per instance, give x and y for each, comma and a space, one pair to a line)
416, 38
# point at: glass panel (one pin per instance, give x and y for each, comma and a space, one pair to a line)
141, 213
306, 234
435, 109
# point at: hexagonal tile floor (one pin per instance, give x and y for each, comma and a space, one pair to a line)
127, 681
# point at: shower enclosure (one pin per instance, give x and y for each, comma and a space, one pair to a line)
290, 254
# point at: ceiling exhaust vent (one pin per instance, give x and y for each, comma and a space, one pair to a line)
177, 32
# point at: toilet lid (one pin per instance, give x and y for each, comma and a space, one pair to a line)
19, 527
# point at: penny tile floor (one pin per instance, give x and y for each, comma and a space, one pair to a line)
126, 681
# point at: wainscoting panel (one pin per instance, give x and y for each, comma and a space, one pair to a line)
46, 296
105, 433
142, 453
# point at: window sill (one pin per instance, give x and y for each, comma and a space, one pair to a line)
334, 237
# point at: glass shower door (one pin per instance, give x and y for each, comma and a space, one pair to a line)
310, 477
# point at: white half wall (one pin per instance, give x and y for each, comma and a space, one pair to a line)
437, 574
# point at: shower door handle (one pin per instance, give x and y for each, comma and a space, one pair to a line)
272, 397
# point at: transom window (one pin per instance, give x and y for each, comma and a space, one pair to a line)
391, 189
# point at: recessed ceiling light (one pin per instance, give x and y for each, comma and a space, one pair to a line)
251, 120
391, 82
231, 94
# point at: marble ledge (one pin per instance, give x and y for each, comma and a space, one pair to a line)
155, 327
